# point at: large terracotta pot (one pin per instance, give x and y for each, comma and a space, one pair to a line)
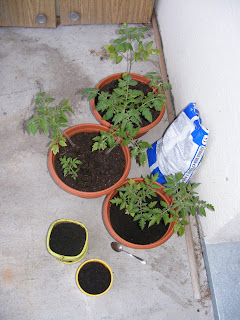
88, 127
136, 77
106, 218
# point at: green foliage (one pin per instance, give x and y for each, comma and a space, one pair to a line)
124, 107
50, 119
130, 46
157, 83
70, 166
132, 197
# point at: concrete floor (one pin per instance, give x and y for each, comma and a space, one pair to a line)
34, 285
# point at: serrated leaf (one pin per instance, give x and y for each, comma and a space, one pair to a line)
110, 141
142, 158
142, 223
55, 149
147, 114
202, 211
95, 146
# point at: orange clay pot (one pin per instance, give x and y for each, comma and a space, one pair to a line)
88, 127
106, 218
136, 77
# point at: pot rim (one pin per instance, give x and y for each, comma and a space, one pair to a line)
108, 225
61, 257
88, 127
105, 265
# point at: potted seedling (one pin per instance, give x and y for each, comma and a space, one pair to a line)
142, 214
126, 107
94, 277
129, 47
67, 240
72, 162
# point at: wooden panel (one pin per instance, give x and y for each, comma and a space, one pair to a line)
106, 11
23, 13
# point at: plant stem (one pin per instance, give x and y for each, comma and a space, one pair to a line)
66, 136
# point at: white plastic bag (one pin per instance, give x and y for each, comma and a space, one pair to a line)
181, 148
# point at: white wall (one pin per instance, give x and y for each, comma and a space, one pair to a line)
201, 41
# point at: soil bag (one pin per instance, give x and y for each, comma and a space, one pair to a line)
181, 148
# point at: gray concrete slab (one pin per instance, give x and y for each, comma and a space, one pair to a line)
34, 285
223, 272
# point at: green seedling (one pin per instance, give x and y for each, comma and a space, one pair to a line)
132, 198
70, 166
124, 107
50, 119
130, 46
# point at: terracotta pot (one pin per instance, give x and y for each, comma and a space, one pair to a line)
116, 76
88, 127
106, 218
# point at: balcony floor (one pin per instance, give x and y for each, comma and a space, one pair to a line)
34, 285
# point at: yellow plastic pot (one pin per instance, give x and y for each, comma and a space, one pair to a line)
89, 261
62, 258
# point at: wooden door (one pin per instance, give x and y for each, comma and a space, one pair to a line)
105, 11
23, 13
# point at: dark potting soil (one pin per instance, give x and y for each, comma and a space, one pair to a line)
94, 278
99, 170
67, 239
130, 230
109, 87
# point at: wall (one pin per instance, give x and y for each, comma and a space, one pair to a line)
201, 42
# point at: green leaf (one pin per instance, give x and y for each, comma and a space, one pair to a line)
142, 223
142, 158
181, 231
140, 46
152, 204
110, 48
184, 222
155, 51
149, 45
145, 55
95, 146
55, 149
137, 55
110, 141
123, 205
147, 114
113, 56
202, 211
119, 59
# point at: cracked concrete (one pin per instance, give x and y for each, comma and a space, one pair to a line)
34, 285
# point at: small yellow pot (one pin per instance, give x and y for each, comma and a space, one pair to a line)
62, 258
105, 265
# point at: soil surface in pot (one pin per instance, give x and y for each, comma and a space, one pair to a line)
67, 239
130, 231
99, 170
94, 278
140, 86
